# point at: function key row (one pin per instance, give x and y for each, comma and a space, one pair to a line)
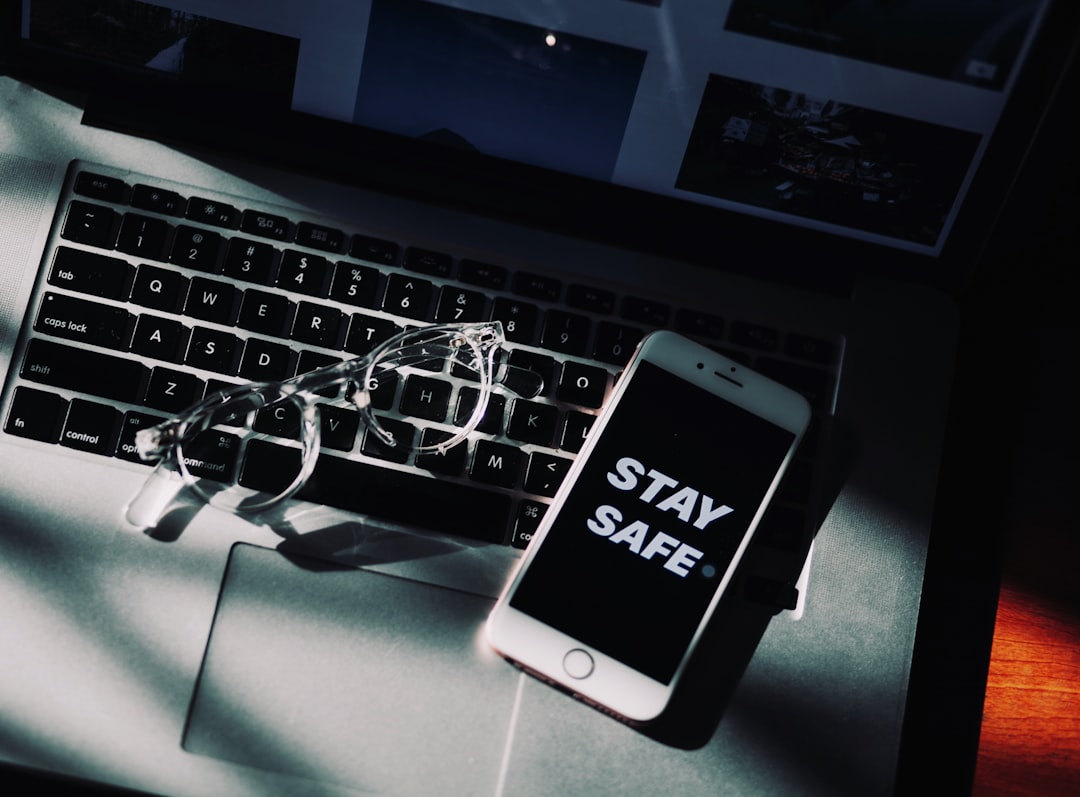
256, 260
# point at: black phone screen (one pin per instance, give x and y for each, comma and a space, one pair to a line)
653, 522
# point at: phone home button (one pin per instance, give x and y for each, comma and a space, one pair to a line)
578, 664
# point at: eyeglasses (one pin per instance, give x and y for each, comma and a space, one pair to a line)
201, 447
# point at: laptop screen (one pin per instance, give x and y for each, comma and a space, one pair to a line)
861, 120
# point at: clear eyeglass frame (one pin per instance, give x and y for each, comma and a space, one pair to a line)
472, 352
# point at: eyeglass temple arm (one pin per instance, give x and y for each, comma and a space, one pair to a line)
157, 492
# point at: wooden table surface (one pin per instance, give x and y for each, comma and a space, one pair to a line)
1030, 738
1029, 742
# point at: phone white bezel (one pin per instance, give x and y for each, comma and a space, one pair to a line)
541, 649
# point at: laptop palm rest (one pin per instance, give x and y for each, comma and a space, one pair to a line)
350, 676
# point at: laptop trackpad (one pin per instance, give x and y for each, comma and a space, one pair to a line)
350, 676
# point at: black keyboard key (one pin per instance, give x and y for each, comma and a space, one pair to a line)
338, 426
698, 324
91, 427
91, 273
90, 224
36, 414
212, 300
754, 336
450, 462
575, 429
485, 275
304, 273
84, 370
771, 592
143, 236
318, 325
282, 419
492, 422
736, 355
364, 247
217, 385
408, 296
316, 236
615, 343
84, 321
264, 361
209, 211
809, 348
159, 288
159, 338
545, 473
172, 391
526, 522
782, 527
519, 319
146, 197
381, 389
536, 286
497, 464
367, 332
266, 313
459, 306
265, 225
815, 384
798, 482
585, 385
645, 311
425, 261
425, 397
391, 495
315, 360
594, 300
213, 350
375, 446
532, 422
356, 285
197, 249
101, 186
251, 261
541, 364
213, 454
132, 423
566, 332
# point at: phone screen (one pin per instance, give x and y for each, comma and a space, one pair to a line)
653, 522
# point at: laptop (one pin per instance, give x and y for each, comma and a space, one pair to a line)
808, 189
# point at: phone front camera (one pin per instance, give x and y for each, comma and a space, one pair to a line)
700, 366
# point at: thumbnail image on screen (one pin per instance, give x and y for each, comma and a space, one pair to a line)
975, 42
824, 160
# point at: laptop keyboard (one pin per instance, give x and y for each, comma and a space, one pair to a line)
154, 297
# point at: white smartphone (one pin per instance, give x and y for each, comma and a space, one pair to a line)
647, 529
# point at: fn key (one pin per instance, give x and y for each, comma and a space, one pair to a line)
36, 415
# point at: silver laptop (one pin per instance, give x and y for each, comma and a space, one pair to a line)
186, 190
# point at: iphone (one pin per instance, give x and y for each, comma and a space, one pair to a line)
648, 527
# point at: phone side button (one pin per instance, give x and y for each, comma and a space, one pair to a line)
578, 664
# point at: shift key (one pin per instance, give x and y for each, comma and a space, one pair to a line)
86, 322
51, 363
